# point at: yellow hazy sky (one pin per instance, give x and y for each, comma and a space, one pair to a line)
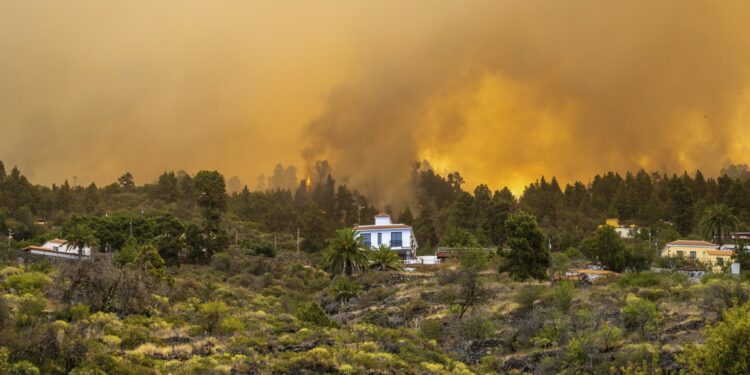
503, 91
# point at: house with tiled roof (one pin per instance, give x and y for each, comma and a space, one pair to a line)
706, 252
58, 248
399, 237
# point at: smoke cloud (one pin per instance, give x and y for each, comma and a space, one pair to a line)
503, 91
507, 91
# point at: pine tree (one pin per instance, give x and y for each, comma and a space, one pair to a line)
528, 257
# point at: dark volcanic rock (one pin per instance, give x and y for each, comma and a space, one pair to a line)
305, 346
687, 325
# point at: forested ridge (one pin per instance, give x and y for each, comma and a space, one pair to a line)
663, 203
189, 278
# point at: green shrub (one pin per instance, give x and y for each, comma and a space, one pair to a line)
311, 312
560, 296
23, 368
641, 357
265, 249
559, 263
580, 350
79, 312
4, 312
640, 314
527, 295
722, 293
343, 289
42, 265
679, 263
222, 262
639, 280
550, 334
230, 325
10, 271
432, 329
608, 338
726, 349
378, 317
27, 282
652, 294
30, 309
476, 327
573, 253
211, 314
414, 308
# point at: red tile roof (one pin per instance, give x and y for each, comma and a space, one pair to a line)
27, 248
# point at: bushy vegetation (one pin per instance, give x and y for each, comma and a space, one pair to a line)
188, 279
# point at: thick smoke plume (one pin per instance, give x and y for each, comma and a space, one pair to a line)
507, 91
503, 91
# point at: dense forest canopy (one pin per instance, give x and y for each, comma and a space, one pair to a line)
669, 205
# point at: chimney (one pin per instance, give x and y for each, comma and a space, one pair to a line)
382, 219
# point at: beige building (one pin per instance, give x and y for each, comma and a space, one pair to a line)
706, 252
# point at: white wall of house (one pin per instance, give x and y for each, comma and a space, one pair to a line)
55, 255
384, 235
626, 232
66, 248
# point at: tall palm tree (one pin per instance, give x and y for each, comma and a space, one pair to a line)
346, 253
385, 259
718, 223
81, 236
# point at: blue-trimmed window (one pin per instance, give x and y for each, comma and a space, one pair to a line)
380, 239
366, 239
396, 239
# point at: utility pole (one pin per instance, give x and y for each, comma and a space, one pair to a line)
10, 237
549, 255
131, 228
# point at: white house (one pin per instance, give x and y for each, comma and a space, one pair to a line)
625, 231
58, 248
399, 237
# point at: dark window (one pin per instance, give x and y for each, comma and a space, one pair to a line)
693, 255
680, 253
366, 239
720, 261
380, 239
395, 239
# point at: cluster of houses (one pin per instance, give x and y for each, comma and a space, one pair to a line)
400, 239
713, 255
